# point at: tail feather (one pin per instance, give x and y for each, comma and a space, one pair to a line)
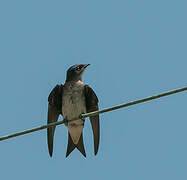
80, 146
72, 146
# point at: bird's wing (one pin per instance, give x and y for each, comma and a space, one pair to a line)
54, 110
92, 105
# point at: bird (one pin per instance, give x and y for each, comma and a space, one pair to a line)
71, 100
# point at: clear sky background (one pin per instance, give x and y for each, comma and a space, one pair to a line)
136, 48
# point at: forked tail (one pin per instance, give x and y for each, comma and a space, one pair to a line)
72, 146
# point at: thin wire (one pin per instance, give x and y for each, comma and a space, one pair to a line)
94, 113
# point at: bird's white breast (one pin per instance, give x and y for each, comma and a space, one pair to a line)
73, 104
73, 100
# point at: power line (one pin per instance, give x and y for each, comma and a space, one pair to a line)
94, 113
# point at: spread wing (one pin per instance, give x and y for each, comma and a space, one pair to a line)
92, 105
54, 110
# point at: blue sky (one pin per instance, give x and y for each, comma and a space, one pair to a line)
136, 49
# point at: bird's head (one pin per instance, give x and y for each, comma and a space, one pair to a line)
75, 72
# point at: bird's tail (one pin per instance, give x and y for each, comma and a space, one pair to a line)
72, 146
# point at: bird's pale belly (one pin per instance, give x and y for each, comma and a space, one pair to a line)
73, 106
72, 109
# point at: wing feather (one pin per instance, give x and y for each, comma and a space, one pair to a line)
92, 105
54, 110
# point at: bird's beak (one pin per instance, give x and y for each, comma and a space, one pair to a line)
86, 65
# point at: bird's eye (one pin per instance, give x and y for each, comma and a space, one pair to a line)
78, 68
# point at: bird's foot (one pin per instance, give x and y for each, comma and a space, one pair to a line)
81, 117
65, 121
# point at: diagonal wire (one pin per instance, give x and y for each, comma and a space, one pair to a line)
94, 113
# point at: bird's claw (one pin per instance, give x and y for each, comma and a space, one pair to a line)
81, 117
65, 121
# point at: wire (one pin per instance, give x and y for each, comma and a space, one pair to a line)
94, 113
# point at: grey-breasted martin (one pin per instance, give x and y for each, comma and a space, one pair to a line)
70, 100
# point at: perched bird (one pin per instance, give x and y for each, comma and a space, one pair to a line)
70, 100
